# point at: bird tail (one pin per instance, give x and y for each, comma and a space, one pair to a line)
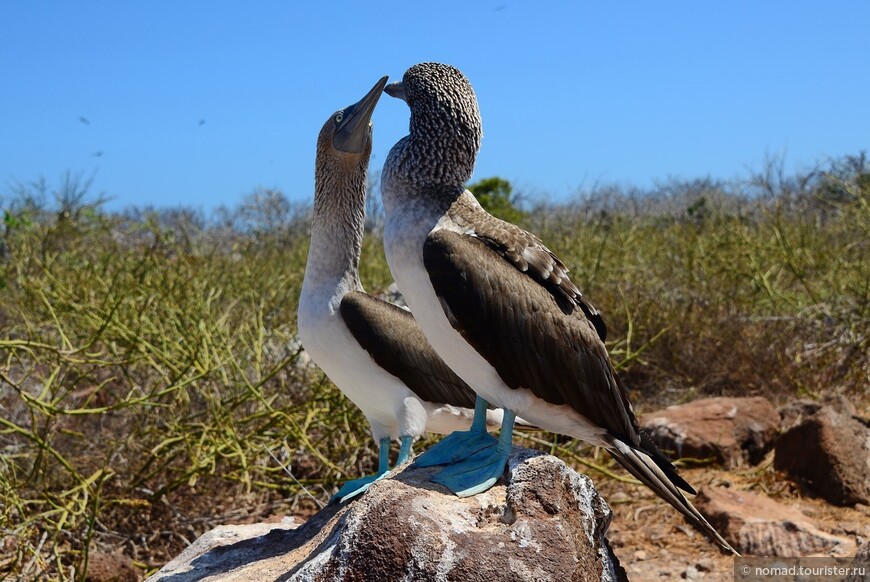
655, 476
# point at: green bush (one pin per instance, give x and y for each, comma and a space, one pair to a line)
497, 197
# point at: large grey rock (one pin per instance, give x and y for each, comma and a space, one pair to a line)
759, 526
730, 430
829, 452
547, 523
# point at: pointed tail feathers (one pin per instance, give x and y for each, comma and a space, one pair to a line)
644, 468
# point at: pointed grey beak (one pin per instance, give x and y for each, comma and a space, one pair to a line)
353, 130
396, 90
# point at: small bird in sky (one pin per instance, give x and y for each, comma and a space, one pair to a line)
84, 120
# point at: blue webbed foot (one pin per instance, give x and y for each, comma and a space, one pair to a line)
455, 447
475, 474
479, 472
358, 486
460, 444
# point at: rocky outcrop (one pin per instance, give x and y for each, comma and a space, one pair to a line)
547, 523
829, 453
730, 430
759, 526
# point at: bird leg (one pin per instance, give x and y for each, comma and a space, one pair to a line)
460, 444
405, 450
358, 486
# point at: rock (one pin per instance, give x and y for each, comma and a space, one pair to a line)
862, 558
759, 526
111, 567
547, 523
303, 360
829, 453
795, 412
852, 528
731, 430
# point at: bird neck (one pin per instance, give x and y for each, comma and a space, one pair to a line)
337, 226
434, 161
444, 145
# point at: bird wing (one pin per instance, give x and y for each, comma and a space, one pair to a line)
530, 255
521, 327
396, 343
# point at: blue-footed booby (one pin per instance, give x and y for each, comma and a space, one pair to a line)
496, 304
372, 350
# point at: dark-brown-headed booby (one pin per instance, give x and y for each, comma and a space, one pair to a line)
372, 350
496, 304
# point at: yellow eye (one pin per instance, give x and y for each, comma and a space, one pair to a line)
339, 117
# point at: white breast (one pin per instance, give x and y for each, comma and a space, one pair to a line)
387, 403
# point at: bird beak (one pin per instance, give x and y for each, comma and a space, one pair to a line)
396, 90
351, 135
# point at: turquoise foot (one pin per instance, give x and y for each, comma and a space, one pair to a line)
358, 486
473, 475
461, 444
479, 472
456, 447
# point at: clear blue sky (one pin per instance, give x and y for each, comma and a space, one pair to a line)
571, 93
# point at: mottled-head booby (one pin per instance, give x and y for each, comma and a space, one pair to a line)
372, 350
496, 304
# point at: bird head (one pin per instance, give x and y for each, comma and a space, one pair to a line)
445, 121
349, 130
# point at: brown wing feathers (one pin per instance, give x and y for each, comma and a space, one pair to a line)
519, 325
531, 256
396, 343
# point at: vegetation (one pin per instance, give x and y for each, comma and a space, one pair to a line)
151, 384
497, 196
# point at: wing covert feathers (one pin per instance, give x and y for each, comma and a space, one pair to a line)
529, 255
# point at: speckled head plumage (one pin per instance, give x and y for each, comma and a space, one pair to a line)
445, 128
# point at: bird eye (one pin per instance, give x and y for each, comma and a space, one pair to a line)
339, 117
